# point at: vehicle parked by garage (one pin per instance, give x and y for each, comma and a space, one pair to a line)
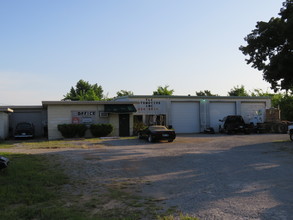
24, 130
290, 132
234, 124
156, 133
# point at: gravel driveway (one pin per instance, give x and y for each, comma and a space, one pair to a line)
206, 176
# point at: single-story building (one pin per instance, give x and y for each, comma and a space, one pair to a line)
4, 122
193, 114
120, 115
186, 114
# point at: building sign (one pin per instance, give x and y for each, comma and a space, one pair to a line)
151, 106
83, 117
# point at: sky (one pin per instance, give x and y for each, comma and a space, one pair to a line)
47, 46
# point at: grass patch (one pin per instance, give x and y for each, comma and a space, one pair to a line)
30, 189
33, 144
52, 145
58, 144
6, 145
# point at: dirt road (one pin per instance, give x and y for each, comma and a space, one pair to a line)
205, 176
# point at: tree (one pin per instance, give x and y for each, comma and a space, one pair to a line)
270, 48
238, 91
84, 91
124, 93
276, 98
163, 91
205, 93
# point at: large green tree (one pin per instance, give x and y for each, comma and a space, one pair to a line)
163, 91
124, 93
84, 91
270, 48
205, 93
238, 91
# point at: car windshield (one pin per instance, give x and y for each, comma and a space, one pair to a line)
157, 128
24, 126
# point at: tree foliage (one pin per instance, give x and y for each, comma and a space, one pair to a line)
205, 93
270, 48
163, 91
238, 91
276, 98
124, 93
84, 91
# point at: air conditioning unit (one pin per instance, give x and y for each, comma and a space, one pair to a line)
104, 114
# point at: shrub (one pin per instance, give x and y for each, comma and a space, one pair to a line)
72, 130
101, 130
81, 129
137, 126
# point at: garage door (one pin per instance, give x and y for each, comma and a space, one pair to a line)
219, 110
185, 117
251, 109
34, 117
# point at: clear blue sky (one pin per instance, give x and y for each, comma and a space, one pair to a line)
46, 46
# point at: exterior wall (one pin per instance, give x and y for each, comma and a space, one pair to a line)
62, 114
4, 125
114, 120
162, 105
131, 124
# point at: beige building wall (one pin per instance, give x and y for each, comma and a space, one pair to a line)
114, 120
4, 125
62, 114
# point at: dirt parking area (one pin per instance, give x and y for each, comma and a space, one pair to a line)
205, 176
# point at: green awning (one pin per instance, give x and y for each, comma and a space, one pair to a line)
120, 108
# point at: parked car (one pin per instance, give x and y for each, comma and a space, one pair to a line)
3, 162
290, 132
24, 130
156, 133
234, 124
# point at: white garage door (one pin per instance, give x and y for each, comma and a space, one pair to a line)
185, 117
219, 110
251, 109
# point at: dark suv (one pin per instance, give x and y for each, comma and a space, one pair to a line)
234, 124
24, 130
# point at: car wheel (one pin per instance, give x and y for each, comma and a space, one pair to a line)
150, 138
291, 135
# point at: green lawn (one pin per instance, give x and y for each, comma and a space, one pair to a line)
30, 189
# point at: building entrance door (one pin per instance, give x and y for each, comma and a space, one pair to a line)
124, 125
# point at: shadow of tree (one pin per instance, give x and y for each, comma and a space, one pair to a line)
241, 182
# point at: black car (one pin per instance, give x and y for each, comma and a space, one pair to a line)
3, 162
24, 130
234, 124
156, 133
